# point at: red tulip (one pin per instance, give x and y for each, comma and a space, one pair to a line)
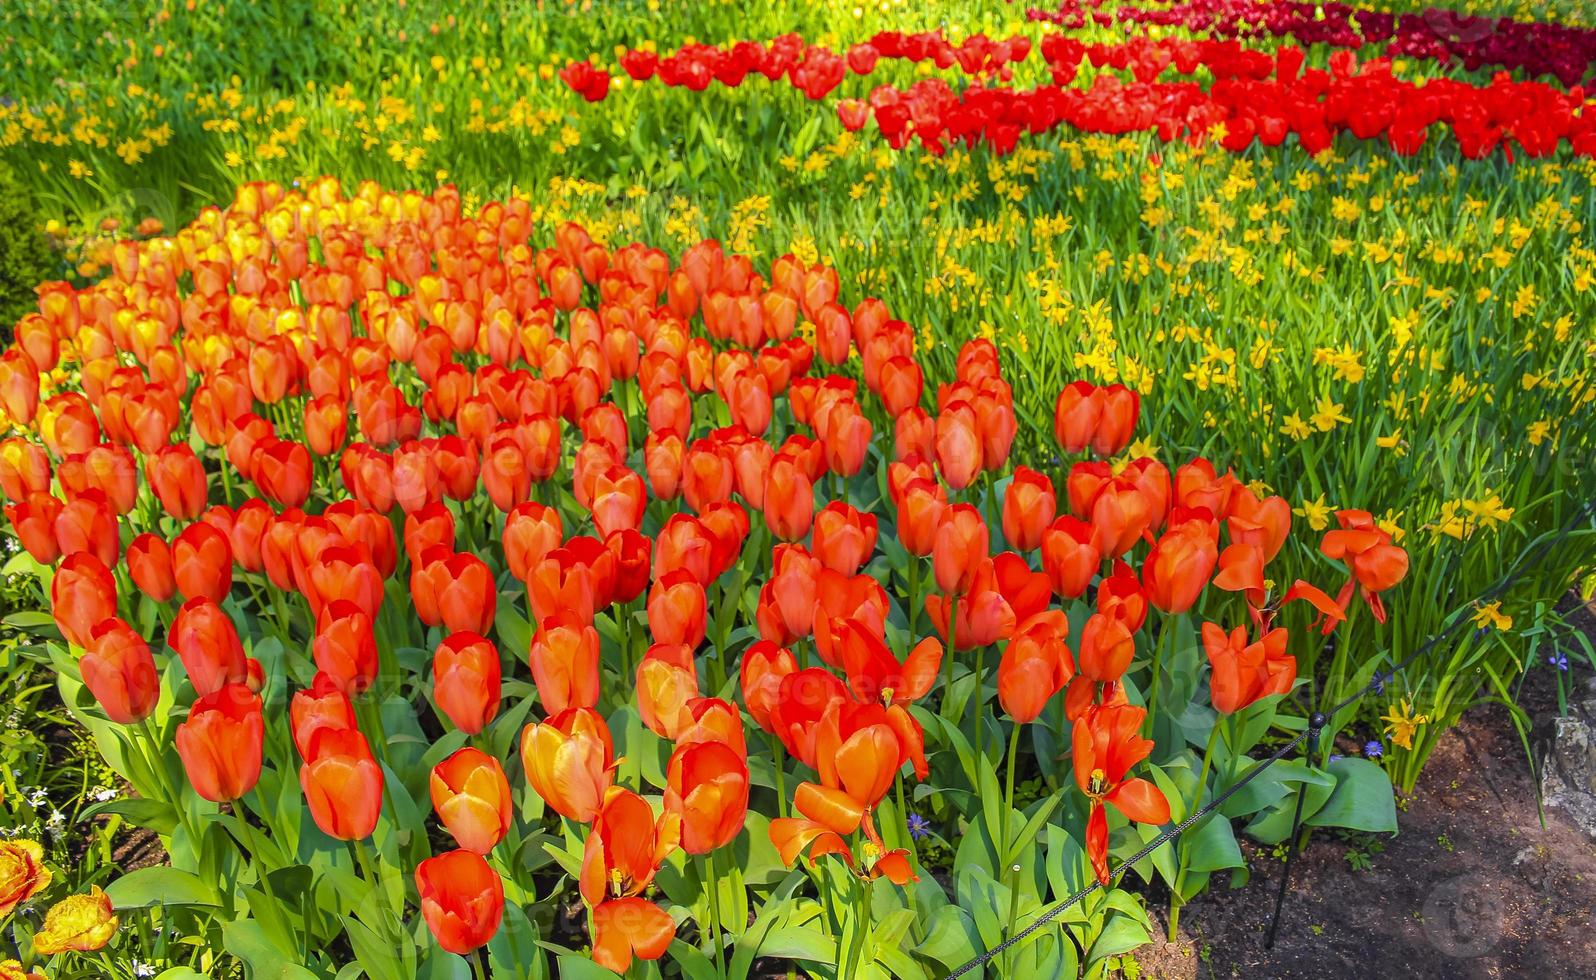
789, 499
462, 900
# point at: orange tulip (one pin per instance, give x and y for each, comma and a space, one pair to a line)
789, 499
707, 788
624, 851
1029, 506
24, 468
465, 680
472, 799
455, 590
565, 663
1375, 562
1178, 566
1036, 665
119, 671
321, 707
960, 546
220, 743
958, 445
462, 900
618, 501
1243, 672
667, 680
345, 647
570, 762
531, 531
149, 564
876, 676
202, 560
1107, 743
82, 595
342, 784
177, 477
88, 523
1106, 648
676, 609
1120, 596
207, 643
764, 666
844, 538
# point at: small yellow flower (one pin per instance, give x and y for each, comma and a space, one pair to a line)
12, 970
1327, 414
1315, 512
78, 922
1295, 427
1490, 614
1402, 725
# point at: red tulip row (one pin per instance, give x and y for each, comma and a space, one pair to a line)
1441, 35
814, 70
466, 359
1253, 96
1244, 103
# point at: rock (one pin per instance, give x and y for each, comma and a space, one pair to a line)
1568, 777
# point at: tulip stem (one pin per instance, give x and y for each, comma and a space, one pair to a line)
978, 730
914, 597
479, 964
780, 763
947, 659
1164, 629
713, 885
1176, 902
381, 900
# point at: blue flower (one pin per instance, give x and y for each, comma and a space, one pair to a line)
1558, 660
919, 827
1335, 756
1373, 749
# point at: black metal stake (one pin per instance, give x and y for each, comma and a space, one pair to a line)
1316, 723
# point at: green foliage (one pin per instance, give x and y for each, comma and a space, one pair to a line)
25, 256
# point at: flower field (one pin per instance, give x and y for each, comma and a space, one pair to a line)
729, 490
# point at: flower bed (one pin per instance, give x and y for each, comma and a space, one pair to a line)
413, 574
